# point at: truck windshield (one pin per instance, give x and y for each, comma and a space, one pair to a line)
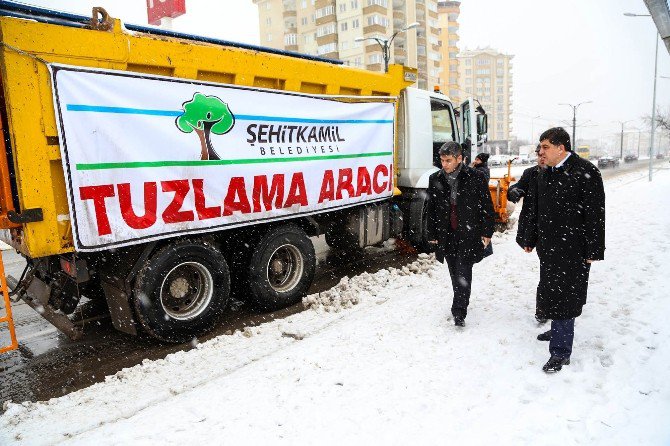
442, 124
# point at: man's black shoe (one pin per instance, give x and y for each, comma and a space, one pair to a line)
459, 321
555, 364
546, 336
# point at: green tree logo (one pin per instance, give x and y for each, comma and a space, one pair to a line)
206, 115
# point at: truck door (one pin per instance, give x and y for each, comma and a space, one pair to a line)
474, 128
443, 126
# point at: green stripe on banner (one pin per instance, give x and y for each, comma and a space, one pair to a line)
135, 165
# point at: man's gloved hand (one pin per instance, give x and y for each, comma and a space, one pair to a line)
515, 194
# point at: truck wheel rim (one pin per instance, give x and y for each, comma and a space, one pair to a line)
186, 291
285, 267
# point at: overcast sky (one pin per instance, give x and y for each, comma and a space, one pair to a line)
564, 51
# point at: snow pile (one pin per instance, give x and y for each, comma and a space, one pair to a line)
350, 291
378, 360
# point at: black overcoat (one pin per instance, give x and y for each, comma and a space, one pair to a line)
526, 235
570, 230
474, 210
484, 168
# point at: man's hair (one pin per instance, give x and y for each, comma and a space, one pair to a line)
451, 148
557, 136
537, 149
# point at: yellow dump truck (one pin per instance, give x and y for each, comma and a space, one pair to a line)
158, 170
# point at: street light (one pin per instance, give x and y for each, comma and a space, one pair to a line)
574, 118
653, 102
385, 43
621, 145
532, 130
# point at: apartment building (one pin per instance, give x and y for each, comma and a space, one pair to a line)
331, 28
486, 75
448, 13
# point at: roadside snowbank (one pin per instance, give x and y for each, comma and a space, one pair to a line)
377, 359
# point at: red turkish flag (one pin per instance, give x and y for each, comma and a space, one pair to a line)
158, 9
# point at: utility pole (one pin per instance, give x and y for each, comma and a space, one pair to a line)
574, 119
623, 123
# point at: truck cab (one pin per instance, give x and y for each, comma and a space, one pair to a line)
426, 121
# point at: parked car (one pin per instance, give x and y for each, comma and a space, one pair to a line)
608, 161
660, 156
630, 158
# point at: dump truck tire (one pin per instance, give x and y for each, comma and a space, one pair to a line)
182, 291
281, 268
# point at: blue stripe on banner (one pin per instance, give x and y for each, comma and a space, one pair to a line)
123, 110
141, 111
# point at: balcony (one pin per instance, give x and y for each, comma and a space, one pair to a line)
372, 48
371, 9
432, 14
398, 4
323, 3
374, 29
290, 13
399, 15
375, 67
330, 18
399, 52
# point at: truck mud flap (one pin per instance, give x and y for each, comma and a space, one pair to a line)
36, 295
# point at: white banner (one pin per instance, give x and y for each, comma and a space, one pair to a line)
149, 157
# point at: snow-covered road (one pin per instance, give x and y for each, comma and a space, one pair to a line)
377, 359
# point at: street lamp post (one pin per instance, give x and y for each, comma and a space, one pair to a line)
386, 43
532, 129
574, 119
623, 123
653, 103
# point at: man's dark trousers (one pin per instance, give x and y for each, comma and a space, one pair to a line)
461, 282
562, 334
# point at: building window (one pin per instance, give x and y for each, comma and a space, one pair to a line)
468, 90
343, 7
377, 19
468, 81
267, 5
269, 37
303, 21
344, 45
268, 21
468, 61
325, 49
375, 58
325, 30
452, 17
483, 71
421, 50
499, 90
468, 72
354, 5
290, 39
483, 62
323, 12
355, 24
303, 4
343, 26
383, 3
500, 62
500, 72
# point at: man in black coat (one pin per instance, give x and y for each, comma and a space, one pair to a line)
526, 235
460, 222
570, 236
481, 163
